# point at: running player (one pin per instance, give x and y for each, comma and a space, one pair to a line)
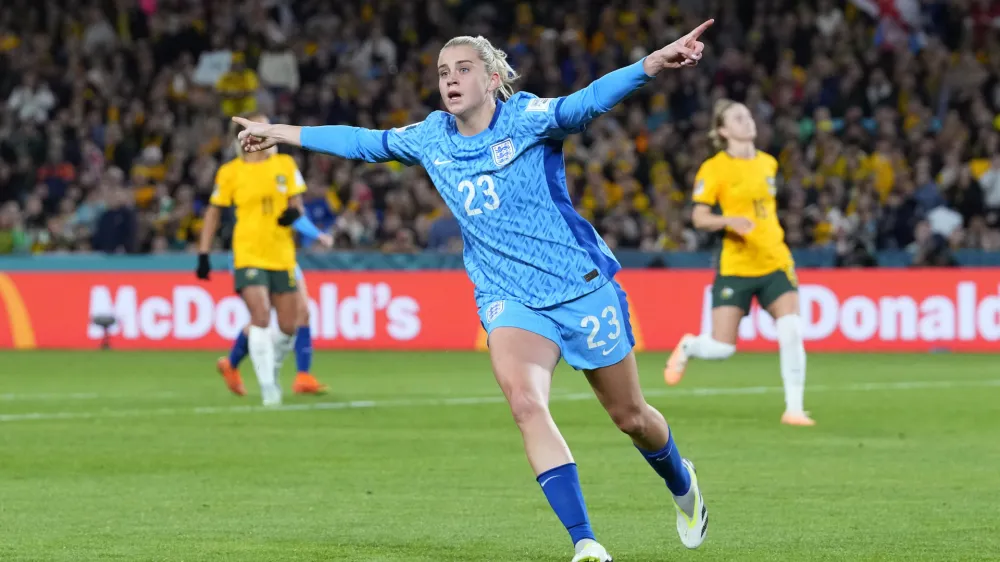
266, 190
544, 279
305, 382
755, 262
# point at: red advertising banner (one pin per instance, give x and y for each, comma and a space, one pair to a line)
842, 310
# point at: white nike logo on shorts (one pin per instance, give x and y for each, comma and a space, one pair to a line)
612, 348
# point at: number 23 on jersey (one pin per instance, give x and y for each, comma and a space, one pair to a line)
485, 185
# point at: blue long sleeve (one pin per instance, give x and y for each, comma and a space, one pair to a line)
306, 228
354, 143
583, 106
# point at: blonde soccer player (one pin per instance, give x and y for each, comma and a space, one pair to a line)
544, 279
754, 262
266, 190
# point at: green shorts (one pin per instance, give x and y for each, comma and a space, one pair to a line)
276, 281
729, 290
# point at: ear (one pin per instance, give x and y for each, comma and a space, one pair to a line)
495, 82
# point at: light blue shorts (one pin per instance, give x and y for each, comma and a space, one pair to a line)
299, 276
592, 331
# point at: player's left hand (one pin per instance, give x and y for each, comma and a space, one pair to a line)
326, 240
290, 215
683, 52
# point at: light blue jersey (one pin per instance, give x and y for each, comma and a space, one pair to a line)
524, 241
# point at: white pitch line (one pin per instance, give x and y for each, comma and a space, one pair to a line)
59, 396
473, 400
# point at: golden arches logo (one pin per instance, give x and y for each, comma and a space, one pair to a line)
640, 344
22, 334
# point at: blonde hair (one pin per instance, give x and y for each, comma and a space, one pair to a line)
493, 58
718, 118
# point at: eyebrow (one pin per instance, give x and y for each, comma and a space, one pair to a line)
456, 64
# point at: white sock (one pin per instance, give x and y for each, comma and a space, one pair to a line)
793, 362
283, 343
704, 347
262, 355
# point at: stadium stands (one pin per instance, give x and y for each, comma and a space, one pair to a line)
885, 123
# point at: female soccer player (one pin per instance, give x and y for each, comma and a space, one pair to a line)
755, 261
544, 279
266, 190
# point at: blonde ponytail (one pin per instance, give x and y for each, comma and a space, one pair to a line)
493, 58
718, 120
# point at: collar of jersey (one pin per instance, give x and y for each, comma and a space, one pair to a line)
481, 134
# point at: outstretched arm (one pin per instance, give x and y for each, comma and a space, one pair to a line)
353, 143
579, 108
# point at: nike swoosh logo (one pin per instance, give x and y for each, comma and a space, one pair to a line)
612, 348
546, 481
442, 162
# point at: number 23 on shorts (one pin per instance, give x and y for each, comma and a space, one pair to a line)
610, 317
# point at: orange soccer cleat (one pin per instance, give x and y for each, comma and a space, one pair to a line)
231, 375
800, 419
307, 384
674, 371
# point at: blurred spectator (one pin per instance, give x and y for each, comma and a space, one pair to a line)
238, 88
117, 227
31, 101
12, 236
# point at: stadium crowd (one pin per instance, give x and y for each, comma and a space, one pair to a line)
884, 115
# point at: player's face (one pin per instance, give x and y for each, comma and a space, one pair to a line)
462, 79
738, 124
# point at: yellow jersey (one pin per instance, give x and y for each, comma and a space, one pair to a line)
260, 191
745, 188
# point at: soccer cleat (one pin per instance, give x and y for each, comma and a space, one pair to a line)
674, 371
307, 384
692, 530
593, 552
801, 419
270, 396
231, 375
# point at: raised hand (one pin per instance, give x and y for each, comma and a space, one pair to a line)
683, 52
255, 136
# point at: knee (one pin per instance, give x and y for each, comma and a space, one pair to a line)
526, 407
630, 418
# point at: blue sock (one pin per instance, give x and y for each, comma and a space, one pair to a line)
561, 486
667, 463
303, 349
239, 350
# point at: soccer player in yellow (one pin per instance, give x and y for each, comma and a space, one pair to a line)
754, 261
266, 189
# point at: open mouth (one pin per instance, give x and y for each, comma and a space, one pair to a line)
453, 97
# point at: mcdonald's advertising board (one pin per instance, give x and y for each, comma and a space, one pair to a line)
842, 310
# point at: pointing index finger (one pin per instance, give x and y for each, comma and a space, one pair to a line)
696, 33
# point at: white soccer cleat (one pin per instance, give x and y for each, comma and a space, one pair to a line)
692, 530
271, 396
592, 552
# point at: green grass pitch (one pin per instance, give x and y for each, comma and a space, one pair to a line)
118, 456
